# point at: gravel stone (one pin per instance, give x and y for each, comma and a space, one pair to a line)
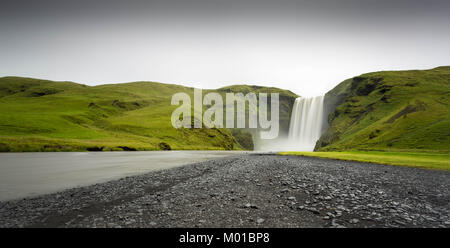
246, 191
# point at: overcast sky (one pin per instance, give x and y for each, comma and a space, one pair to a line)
305, 46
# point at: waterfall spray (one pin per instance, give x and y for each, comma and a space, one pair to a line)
306, 123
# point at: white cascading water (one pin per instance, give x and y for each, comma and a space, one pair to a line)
306, 123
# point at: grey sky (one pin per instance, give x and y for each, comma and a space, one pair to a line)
305, 46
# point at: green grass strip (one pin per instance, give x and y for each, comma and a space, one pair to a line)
436, 161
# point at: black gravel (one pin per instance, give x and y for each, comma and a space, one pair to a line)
257, 190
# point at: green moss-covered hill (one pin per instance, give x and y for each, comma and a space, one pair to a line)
42, 115
389, 110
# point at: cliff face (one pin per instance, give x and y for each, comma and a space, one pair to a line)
286, 102
389, 110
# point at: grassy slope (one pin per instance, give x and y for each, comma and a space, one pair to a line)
41, 115
439, 161
390, 111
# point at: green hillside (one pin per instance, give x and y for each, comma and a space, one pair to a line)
390, 110
42, 115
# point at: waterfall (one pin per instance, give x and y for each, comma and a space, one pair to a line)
306, 123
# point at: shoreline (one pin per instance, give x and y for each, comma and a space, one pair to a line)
34, 174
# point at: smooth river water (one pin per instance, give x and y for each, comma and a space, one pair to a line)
31, 174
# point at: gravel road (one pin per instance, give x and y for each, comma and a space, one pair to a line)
255, 190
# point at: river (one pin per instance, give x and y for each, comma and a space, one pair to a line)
31, 174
